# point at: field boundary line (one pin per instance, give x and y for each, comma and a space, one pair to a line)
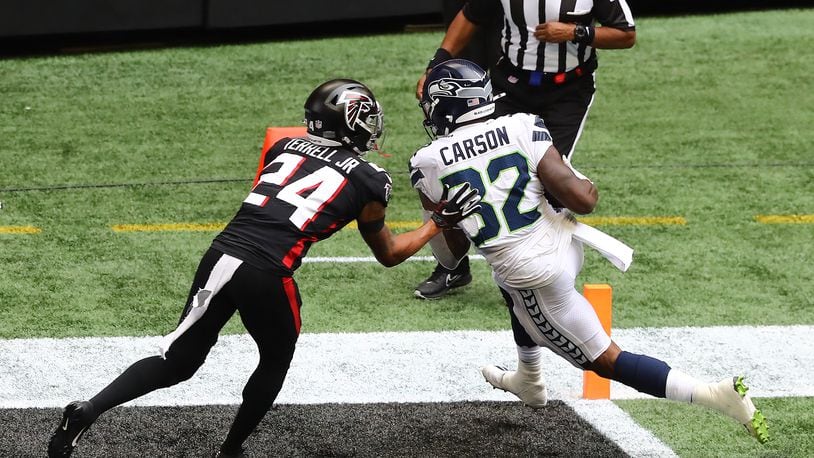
365, 259
633, 220
169, 227
615, 424
785, 219
16, 230
381, 366
404, 224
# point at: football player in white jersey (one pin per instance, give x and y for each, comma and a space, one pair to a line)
530, 247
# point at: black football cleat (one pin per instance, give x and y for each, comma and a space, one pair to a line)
76, 419
441, 281
239, 454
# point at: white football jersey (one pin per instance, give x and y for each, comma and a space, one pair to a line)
516, 230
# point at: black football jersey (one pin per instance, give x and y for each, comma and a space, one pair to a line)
303, 193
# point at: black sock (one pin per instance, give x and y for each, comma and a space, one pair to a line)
461, 269
248, 417
139, 379
259, 394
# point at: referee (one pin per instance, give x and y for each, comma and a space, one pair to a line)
483, 47
546, 67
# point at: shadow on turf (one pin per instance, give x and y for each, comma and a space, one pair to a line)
458, 429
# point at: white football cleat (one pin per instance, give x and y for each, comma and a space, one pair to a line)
526, 384
729, 397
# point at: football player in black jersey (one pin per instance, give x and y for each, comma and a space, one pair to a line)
305, 190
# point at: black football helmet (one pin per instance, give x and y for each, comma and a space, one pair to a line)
456, 92
345, 111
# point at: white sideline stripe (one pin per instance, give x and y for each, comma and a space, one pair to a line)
399, 367
409, 367
349, 259
615, 424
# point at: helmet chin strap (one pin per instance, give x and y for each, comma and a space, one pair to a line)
322, 140
348, 143
430, 129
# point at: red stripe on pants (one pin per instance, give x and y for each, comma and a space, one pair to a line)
291, 292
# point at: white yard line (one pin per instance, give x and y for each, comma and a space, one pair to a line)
619, 427
411, 367
399, 367
356, 259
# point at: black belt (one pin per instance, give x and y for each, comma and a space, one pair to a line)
535, 78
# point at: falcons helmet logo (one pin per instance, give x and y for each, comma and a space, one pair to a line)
356, 104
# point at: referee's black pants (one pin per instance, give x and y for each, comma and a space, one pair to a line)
563, 107
269, 309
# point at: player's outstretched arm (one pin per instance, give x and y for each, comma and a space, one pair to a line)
577, 193
449, 247
391, 250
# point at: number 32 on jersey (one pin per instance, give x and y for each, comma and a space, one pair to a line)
504, 210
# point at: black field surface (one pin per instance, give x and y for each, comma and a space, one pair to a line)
460, 429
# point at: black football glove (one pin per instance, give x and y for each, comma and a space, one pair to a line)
449, 212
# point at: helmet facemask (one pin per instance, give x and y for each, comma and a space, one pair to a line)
374, 125
364, 119
428, 106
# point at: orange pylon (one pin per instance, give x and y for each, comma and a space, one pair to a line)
600, 297
272, 135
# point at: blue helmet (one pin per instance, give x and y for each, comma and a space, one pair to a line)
456, 92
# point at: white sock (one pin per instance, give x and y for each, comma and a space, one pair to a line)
680, 386
529, 357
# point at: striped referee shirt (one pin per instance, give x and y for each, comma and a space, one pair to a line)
520, 17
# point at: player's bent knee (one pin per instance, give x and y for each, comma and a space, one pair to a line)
605, 364
602, 369
266, 382
182, 369
277, 358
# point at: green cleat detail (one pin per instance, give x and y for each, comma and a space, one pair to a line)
729, 397
740, 387
759, 427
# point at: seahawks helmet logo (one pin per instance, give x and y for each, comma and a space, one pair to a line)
444, 88
356, 104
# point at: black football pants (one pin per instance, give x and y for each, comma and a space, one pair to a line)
269, 309
563, 107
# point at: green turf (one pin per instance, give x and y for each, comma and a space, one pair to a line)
696, 432
708, 118
669, 134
